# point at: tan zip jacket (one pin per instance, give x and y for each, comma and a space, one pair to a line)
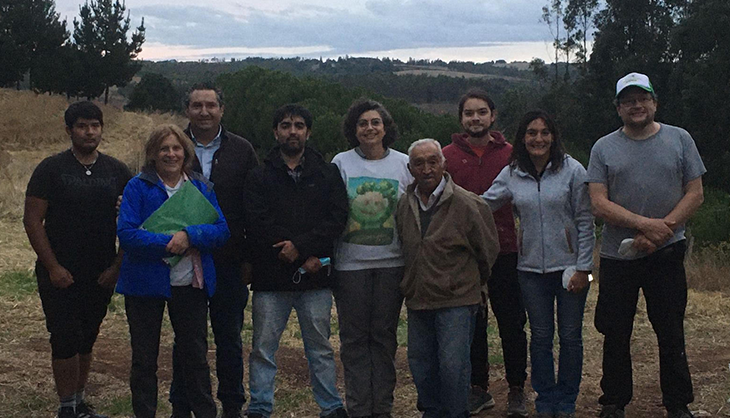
450, 264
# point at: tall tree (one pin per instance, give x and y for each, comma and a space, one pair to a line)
579, 22
60, 72
11, 71
30, 32
633, 35
552, 15
700, 46
107, 54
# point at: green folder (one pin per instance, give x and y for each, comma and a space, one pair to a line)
186, 207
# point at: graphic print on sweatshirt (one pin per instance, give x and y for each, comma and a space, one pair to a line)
372, 210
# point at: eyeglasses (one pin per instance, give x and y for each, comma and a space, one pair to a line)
637, 100
363, 123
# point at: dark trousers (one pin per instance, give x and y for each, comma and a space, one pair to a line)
368, 310
187, 309
508, 308
226, 319
662, 279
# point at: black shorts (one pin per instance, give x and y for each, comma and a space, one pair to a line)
73, 314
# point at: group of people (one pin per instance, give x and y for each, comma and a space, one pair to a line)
374, 228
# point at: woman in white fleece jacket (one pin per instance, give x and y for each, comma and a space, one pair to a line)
556, 237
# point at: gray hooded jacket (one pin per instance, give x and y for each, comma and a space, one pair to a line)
556, 229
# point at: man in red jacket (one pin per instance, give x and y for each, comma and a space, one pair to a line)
474, 158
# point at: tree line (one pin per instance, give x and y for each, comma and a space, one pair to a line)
35, 43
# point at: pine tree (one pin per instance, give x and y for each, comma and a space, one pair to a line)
107, 55
30, 32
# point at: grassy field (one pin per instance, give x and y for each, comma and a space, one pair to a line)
31, 128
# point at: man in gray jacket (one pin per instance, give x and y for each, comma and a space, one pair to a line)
450, 243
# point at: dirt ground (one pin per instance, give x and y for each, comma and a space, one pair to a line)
26, 386
26, 360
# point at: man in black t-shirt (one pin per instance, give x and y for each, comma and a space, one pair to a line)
70, 219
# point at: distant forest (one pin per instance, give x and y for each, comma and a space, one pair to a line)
416, 81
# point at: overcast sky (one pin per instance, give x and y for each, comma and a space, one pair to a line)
466, 30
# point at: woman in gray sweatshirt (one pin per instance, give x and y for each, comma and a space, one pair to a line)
556, 237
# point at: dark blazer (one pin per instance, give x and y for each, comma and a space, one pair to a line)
232, 163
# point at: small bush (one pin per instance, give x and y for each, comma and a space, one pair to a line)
154, 93
711, 224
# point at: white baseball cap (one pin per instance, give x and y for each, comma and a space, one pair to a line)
634, 79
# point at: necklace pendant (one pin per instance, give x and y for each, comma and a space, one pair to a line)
88, 172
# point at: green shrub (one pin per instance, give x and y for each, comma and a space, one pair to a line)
711, 223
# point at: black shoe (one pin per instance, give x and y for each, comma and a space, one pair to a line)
337, 413
254, 415
234, 412
179, 412
66, 412
679, 413
516, 402
86, 410
611, 411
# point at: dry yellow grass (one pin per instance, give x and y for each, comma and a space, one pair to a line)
31, 128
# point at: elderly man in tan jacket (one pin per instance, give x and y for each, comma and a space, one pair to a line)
450, 243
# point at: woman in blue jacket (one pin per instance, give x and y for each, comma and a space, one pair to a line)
149, 282
548, 193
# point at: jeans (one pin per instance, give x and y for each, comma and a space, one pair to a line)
188, 314
540, 292
368, 309
439, 343
271, 312
662, 278
226, 318
506, 300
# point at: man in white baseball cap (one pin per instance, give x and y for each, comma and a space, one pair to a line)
645, 181
634, 79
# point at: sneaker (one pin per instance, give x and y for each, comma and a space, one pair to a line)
565, 415
679, 413
516, 402
544, 415
479, 400
611, 411
86, 410
66, 412
337, 413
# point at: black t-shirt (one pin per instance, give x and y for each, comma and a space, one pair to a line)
81, 217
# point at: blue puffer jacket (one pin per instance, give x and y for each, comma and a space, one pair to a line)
143, 272
556, 224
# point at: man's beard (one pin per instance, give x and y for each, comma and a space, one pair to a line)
640, 125
479, 134
291, 150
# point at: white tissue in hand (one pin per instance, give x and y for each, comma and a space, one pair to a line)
627, 248
567, 274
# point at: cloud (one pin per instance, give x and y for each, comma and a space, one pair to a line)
382, 25
332, 26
